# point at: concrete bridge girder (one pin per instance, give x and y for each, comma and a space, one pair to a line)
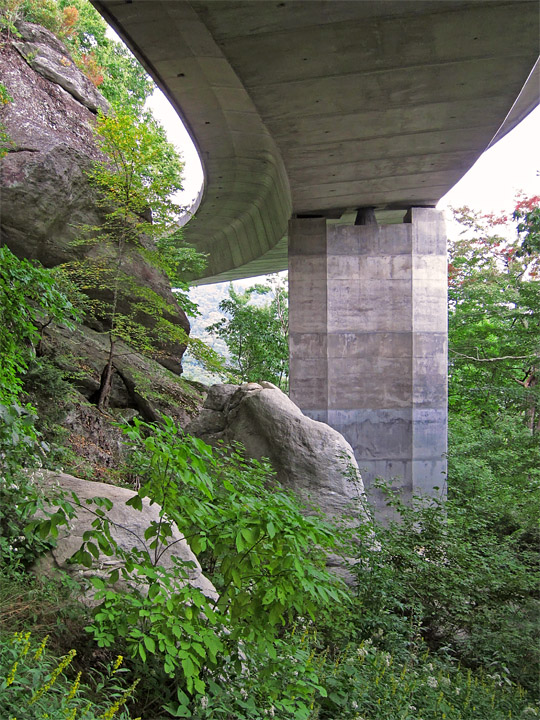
323, 106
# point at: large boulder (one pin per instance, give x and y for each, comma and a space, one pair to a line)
46, 198
308, 456
127, 527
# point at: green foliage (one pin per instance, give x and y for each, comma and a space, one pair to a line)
18, 548
136, 185
108, 63
142, 172
364, 681
527, 213
34, 685
29, 296
260, 548
449, 570
256, 334
265, 556
494, 481
494, 295
5, 142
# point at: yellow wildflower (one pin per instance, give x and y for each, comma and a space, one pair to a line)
111, 712
54, 675
11, 677
41, 648
74, 687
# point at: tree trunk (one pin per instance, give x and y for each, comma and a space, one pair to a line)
106, 379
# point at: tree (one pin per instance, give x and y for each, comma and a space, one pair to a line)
494, 401
256, 334
135, 182
494, 295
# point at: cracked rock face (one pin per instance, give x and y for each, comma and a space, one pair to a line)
50, 58
308, 456
45, 196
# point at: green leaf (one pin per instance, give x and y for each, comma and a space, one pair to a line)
189, 668
84, 558
240, 544
149, 643
135, 502
93, 549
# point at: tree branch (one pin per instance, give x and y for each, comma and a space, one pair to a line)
496, 359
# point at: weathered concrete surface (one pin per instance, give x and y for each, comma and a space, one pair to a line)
368, 342
323, 106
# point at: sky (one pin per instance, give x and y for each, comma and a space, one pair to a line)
512, 165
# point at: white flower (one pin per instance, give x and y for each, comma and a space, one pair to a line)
363, 650
243, 693
354, 705
204, 702
432, 682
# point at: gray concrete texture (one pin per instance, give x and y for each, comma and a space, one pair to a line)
323, 106
378, 373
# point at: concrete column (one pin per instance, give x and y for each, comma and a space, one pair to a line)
368, 342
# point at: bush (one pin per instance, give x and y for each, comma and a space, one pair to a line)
265, 556
446, 571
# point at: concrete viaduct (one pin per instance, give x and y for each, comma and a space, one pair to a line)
328, 131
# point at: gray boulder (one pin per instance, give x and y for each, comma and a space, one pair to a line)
127, 528
308, 456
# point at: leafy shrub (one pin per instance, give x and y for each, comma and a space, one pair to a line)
265, 556
28, 295
364, 681
18, 549
444, 570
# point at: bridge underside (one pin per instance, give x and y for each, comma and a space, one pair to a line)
324, 106
305, 111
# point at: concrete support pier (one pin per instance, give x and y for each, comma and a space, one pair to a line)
368, 342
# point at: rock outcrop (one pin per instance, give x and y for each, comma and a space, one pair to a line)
44, 191
127, 527
141, 387
308, 456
